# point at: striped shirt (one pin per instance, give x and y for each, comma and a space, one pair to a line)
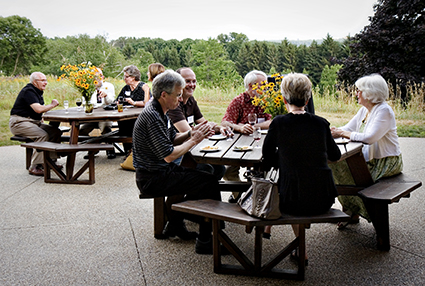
153, 137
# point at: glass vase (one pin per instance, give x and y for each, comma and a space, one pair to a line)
89, 108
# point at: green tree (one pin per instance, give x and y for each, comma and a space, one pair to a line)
232, 43
243, 60
21, 45
211, 65
328, 79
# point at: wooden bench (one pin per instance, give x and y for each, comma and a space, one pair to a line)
159, 209
29, 151
378, 196
68, 150
221, 211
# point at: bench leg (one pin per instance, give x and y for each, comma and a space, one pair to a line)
159, 219
28, 157
378, 213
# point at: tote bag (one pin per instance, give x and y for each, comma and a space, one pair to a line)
262, 199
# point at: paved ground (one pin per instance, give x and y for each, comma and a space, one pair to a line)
54, 234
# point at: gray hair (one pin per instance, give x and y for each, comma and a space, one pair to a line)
166, 81
34, 76
373, 87
251, 78
296, 88
132, 71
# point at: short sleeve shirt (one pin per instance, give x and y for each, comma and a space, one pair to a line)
153, 138
239, 108
27, 96
189, 112
137, 94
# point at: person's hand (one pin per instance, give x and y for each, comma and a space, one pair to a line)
202, 132
54, 103
145, 88
225, 131
208, 125
336, 132
247, 129
103, 94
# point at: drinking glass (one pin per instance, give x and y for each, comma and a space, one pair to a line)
66, 105
229, 131
257, 136
252, 119
78, 102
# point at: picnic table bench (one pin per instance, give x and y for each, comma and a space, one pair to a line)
221, 211
66, 150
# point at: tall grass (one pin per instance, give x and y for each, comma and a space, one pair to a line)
337, 106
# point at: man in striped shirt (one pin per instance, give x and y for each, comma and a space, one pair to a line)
156, 145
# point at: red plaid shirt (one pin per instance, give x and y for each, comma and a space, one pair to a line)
239, 108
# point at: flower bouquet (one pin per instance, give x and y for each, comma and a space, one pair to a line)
269, 96
84, 77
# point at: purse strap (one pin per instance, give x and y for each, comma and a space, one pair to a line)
273, 174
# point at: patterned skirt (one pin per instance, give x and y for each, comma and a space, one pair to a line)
379, 168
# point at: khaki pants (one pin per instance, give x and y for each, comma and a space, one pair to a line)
232, 174
37, 131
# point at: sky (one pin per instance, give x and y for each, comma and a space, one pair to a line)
195, 19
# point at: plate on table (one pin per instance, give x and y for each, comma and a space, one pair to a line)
242, 148
341, 140
210, 149
217, 137
264, 131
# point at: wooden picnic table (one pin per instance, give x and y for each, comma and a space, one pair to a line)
75, 118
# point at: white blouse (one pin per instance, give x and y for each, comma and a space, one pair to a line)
379, 134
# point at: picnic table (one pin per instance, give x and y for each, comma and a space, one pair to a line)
75, 118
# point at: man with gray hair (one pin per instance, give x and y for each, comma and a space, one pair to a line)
26, 118
237, 116
156, 145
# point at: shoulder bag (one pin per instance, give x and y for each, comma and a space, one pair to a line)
262, 198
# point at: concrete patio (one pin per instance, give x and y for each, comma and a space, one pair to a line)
102, 234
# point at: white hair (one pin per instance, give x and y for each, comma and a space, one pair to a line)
373, 88
251, 78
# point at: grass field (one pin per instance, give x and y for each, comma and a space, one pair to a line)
337, 109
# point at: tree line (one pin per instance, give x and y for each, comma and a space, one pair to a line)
392, 45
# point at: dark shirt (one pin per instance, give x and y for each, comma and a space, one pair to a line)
185, 111
137, 94
153, 138
304, 145
27, 96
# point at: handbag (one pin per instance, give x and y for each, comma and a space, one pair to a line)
262, 198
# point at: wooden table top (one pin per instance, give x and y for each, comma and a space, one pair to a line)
228, 155
99, 114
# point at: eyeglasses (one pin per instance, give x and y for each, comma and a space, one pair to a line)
44, 80
127, 76
176, 95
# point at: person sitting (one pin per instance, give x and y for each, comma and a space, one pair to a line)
188, 115
153, 70
300, 144
104, 95
237, 116
375, 126
131, 94
156, 145
26, 119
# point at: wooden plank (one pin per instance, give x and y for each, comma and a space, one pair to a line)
67, 148
389, 192
233, 213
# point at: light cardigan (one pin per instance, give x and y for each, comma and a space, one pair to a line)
379, 134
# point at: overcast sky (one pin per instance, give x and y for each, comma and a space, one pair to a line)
195, 19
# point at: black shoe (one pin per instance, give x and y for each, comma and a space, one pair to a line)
87, 156
232, 200
206, 247
111, 154
295, 257
266, 235
178, 230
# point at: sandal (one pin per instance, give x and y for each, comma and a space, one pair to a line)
295, 257
354, 219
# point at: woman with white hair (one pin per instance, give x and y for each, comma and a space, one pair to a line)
375, 126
